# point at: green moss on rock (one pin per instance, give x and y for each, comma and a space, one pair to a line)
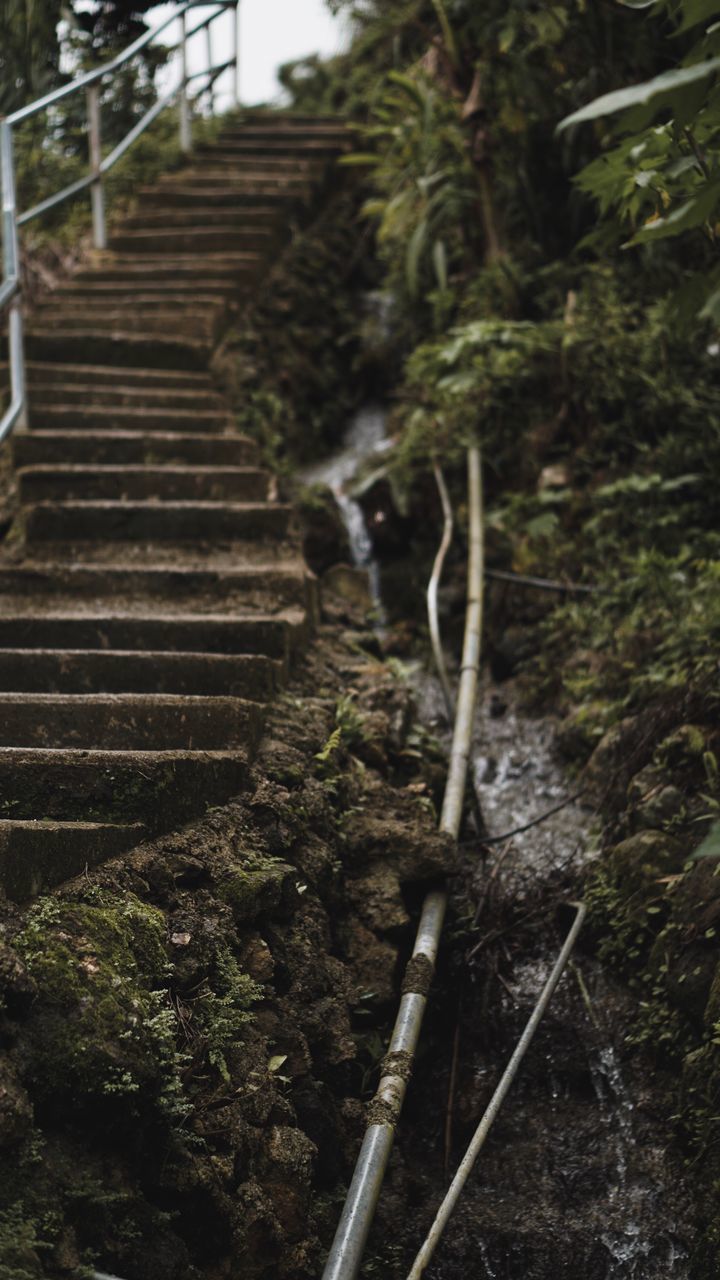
106, 1026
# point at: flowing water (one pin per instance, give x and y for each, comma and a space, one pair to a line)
365, 438
576, 1182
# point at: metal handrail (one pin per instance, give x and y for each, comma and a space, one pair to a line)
100, 73
91, 82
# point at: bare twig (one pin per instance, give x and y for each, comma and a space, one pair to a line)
542, 584
527, 826
451, 1096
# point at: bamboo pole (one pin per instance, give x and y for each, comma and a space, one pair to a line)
432, 591
457, 1185
353, 1229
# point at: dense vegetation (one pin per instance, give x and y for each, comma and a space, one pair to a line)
543, 184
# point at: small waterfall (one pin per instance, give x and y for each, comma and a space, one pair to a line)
365, 437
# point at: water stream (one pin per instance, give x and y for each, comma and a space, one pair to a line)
581, 1186
365, 438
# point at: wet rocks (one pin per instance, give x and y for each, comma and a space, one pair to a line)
325, 539
640, 862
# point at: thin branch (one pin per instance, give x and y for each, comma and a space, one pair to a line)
518, 831
543, 584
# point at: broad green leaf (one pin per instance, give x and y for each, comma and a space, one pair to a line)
448, 34
711, 310
661, 88
409, 85
692, 213
365, 159
710, 847
696, 11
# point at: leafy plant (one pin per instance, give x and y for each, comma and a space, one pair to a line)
658, 176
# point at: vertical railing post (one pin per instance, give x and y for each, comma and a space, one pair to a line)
11, 271
208, 47
97, 194
237, 50
185, 125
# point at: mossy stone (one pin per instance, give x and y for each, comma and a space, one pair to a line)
104, 1026
258, 889
581, 731
640, 861
683, 748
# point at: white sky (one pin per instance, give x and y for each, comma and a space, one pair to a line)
272, 32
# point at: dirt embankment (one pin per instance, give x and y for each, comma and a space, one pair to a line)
188, 1034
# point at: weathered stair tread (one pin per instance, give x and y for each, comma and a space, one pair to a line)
122, 721
124, 346
37, 856
217, 194
49, 394
132, 447
286, 582
295, 149
108, 374
138, 481
123, 417
129, 289
235, 553
198, 238
204, 215
180, 324
178, 521
153, 593
253, 676
163, 788
269, 634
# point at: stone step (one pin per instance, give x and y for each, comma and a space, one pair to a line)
198, 216
72, 671
271, 117
271, 147
230, 177
290, 132
124, 349
200, 239
173, 195
126, 291
196, 323
209, 484
135, 721
155, 521
163, 789
260, 586
179, 268
274, 635
102, 375
139, 301
44, 414
255, 158
48, 394
114, 448
37, 856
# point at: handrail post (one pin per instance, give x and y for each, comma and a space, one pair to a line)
208, 47
11, 271
237, 50
185, 124
97, 194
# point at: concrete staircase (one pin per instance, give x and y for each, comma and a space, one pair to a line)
152, 593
